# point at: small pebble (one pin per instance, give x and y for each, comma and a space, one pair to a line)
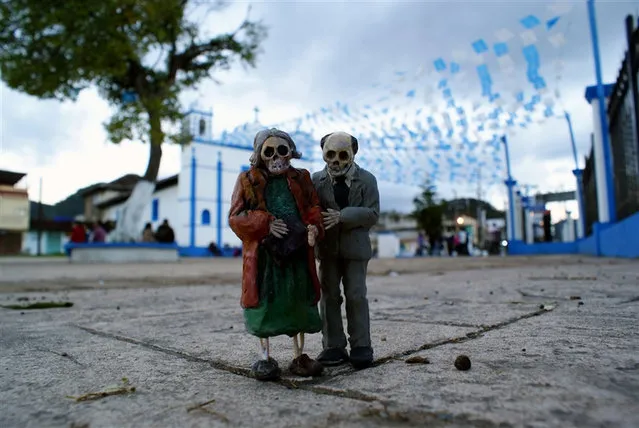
523, 350
580, 304
375, 300
64, 354
543, 289
118, 308
383, 339
575, 298
462, 362
490, 292
21, 313
541, 306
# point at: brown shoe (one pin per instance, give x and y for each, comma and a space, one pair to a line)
305, 366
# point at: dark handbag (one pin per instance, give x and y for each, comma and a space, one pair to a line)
282, 248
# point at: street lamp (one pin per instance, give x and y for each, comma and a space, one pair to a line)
578, 173
460, 220
510, 183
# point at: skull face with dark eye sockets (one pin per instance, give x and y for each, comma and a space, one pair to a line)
276, 155
338, 153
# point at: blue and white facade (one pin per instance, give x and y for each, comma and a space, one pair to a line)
197, 203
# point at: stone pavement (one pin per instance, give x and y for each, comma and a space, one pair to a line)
553, 343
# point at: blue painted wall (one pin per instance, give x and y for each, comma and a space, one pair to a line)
520, 248
621, 239
607, 240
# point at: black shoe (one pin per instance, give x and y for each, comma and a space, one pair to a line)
266, 370
362, 357
333, 357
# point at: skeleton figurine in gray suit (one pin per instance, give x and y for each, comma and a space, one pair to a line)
350, 198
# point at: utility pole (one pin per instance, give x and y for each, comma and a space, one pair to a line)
455, 211
480, 225
40, 215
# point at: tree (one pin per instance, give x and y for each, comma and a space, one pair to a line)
140, 54
429, 212
470, 207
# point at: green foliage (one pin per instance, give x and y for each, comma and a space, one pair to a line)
470, 206
54, 50
429, 211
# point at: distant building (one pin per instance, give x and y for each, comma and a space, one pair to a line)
403, 226
50, 225
14, 212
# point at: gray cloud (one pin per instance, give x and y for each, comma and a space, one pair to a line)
367, 41
320, 52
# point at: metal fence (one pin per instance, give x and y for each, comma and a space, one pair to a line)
623, 119
623, 115
590, 192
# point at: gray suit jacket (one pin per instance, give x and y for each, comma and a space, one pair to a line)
350, 238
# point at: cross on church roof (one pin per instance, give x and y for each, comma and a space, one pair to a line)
256, 110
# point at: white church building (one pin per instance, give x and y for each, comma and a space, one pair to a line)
196, 201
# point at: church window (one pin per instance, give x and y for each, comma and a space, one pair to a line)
155, 209
206, 217
202, 127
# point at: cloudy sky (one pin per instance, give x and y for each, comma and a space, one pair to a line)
318, 52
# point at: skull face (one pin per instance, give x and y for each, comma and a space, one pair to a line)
276, 155
338, 153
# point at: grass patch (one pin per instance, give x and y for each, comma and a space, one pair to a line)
39, 305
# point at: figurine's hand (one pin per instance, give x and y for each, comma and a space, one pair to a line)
278, 228
312, 234
331, 218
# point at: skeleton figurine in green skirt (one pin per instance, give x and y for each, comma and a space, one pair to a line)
275, 212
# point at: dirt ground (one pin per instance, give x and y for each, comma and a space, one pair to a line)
48, 274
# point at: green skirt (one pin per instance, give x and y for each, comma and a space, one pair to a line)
286, 298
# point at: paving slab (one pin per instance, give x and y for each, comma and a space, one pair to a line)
552, 343
45, 366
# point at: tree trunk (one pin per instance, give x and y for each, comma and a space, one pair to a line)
155, 150
131, 222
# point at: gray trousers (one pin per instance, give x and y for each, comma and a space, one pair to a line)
352, 273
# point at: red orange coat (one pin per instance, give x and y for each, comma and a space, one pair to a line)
250, 220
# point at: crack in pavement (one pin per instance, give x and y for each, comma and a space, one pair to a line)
313, 385
61, 354
414, 321
220, 365
469, 336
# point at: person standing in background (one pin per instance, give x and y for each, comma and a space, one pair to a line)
99, 234
147, 233
165, 234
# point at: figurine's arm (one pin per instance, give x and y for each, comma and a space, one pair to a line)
313, 214
366, 215
248, 225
